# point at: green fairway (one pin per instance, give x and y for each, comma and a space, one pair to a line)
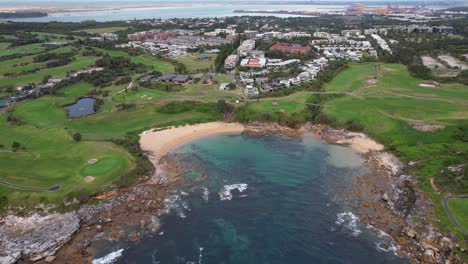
25, 49
140, 95
351, 79
148, 60
459, 208
194, 64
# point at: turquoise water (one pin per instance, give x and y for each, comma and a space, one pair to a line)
264, 199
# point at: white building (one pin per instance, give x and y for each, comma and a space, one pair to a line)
231, 62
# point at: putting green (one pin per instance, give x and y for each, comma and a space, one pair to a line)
103, 166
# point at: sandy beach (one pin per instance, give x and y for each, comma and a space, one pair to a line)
160, 142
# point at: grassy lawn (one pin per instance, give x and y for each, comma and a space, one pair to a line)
388, 109
148, 60
459, 208
194, 64
25, 49
141, 95
102, 30
351, 79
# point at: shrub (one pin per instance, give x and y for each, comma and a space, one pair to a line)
77, 137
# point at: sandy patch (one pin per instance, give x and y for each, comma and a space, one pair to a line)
361, 143
432, 63
427, 128
89, 179
453, 62
92, 161
159, 143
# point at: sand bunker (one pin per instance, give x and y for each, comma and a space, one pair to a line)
92, 161
426, 85
89, 179
427, 128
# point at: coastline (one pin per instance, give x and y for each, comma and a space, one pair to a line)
136, 206
160, 142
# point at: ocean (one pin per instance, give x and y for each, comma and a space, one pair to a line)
262, 199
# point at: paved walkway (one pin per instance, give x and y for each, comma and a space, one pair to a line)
452, 217
50, 189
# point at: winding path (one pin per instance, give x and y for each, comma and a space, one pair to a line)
50, 189
452, 217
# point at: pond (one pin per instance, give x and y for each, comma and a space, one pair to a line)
82, 107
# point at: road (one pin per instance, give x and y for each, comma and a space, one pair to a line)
452, 217
51, 189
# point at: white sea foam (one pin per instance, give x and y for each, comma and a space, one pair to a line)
174, 203
200, 256
226, 192
349, 221
386, 244
205, 194
110, 258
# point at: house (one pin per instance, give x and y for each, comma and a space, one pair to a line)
224, 86
181, 79
231, 62
207, 78
146, 78
266, 88
291, 48
55, 44
251, 91
166, 77
253, 63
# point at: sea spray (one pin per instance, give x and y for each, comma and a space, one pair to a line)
352, 223
205, 194
349, 221
110, 258
226, 192
200, 256
386, 243
174, 203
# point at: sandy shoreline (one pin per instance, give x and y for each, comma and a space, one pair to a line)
160, 142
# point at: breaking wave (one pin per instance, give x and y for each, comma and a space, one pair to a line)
226, 192
386, 243
205, 194
349, 221
174, 203
110, 258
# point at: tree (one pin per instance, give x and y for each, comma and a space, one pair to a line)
46, 78
15, 146
232, 86
77, 137
224, 107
